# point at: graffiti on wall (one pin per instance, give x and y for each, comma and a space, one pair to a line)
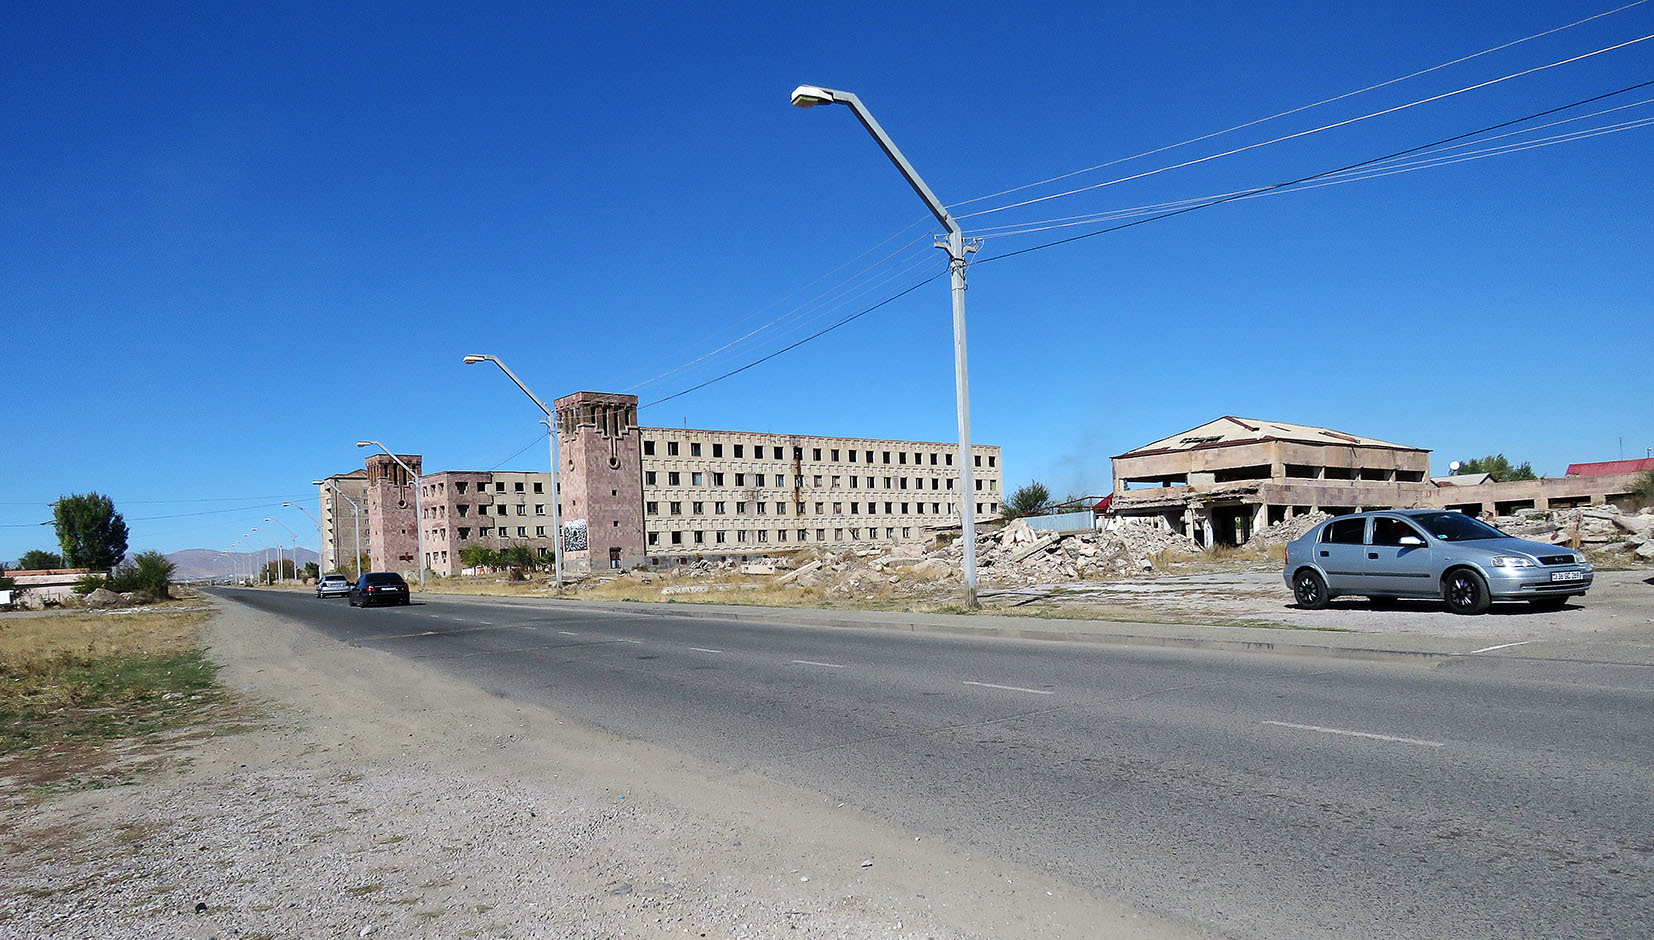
574, 536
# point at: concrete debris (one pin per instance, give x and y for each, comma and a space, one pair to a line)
800, 572
1283, 532
1607, 528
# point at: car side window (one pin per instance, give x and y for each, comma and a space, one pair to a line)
1387, 531
1344, 531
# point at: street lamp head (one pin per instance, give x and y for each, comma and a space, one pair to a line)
473, 360
808, 96
318, 482
364, 443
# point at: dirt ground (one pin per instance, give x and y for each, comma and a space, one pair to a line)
377, 798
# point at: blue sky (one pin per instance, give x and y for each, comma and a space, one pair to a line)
234, 241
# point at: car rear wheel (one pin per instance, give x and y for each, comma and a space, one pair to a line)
1310, 590
1465, 592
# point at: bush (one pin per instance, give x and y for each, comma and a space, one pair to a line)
87, 583
152, 573
124, 580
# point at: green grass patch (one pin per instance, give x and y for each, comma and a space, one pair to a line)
69, 698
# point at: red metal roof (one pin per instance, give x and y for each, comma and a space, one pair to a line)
1606, 467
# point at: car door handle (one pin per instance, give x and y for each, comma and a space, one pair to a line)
1372, 554
1323, 554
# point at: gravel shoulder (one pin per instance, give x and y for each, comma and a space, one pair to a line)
378, 798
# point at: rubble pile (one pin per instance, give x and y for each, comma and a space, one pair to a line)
1285, 531
1607, 528
1021, 554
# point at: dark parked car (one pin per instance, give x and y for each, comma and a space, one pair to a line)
333, 585
378, 587
1430, 553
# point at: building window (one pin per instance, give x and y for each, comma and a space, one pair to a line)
740, 535
852, 481
522, 531
738, 448
836, 482
978, 482
907, 532
697, 508
463, 509
464, 532
855, 509
821, 535
499, 487
539, 531
990, 460
817, 482
676, 508
651, 509
887, 509
717, 450
717, 479
778, 453
648, 478
677, 538
901, 457
763, 535
719, 508
671, 448
950, 483
780, 535
459, 487
648, 448
855, 533
654, 538
740, 479
694, 449
816, 452
820, 508
517, 487
838, 535
763, 507
904, 482
741, 508
950, 459
539, 509
935, 483
700, 537
539, 487
886, 457
838, 509
697, 479
852, 456
522, 509
720, 536
781, 509
835, 455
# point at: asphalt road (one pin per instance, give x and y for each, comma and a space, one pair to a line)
1253, 796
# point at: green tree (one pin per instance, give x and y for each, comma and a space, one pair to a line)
1642, 491
36, 560
1026, 501
479, 556
154, 574
312, 570
520, 556
90, 531
1500, 467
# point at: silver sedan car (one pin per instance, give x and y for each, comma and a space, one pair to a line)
1430, 553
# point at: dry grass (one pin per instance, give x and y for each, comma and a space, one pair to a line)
86, 699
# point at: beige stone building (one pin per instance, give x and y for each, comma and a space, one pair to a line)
344, 502
1228, 478
493, 509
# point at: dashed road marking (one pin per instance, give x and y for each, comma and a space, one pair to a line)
567, 633
700, 649
1501, 646
1010, 688
1357, 734
809, 662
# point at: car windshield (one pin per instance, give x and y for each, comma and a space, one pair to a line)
1457, 527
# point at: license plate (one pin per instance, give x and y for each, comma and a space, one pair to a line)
1567, 576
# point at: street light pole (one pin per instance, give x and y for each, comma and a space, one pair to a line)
556, 490
319, 545
295, 537
808, 96
356, 517
419, 506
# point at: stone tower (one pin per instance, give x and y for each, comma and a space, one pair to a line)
602, 481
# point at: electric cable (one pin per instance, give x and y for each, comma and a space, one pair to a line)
1314, 130
1246, 194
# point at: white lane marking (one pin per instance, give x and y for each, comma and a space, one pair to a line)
1357, 734
1501, 646
567, 633
624, 640
1010, 688
807, 662
701, 649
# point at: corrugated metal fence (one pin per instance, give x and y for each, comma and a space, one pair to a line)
1066, 522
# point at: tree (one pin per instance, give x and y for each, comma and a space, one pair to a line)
312, 570
1026, 501
479, 556
1501, 468
1642, 491
90, 531
36, 560
154, 574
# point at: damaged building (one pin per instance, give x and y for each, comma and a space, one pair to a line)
1221, 482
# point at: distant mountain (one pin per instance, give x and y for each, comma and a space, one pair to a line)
206, 563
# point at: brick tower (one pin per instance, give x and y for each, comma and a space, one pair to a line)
602, 496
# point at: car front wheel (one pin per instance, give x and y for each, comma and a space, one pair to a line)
1310, 590
1466, 592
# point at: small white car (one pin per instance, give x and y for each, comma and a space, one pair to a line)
333, 585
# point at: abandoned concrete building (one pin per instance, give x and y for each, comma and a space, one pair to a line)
633, 495
1222, 481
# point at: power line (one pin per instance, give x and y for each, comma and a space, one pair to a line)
1315, 130
819, 333
1246, 194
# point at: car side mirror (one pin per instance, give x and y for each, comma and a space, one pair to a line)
1411, 541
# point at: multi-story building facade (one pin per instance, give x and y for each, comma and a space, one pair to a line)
671, 495
655, 496
343, 498
492, 509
